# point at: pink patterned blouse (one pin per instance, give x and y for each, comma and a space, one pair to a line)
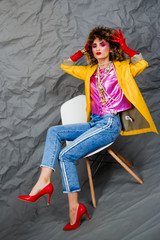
115, 99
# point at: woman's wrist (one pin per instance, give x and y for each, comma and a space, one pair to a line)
83, 50
76, 56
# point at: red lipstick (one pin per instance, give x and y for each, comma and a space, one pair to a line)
98, 53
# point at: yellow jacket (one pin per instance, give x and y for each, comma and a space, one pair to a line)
135, 120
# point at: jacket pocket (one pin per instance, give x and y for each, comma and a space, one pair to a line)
132, 119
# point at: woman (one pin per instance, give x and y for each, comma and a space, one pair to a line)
114, 105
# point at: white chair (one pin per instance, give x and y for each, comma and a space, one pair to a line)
74, 111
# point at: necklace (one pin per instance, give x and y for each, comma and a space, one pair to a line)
104, 75
105, 98
106, 71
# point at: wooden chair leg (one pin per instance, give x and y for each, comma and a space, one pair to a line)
122, 158
91, 182
124, 165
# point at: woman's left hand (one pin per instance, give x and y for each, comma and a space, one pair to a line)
121, 40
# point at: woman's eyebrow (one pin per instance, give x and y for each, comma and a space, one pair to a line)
102, 41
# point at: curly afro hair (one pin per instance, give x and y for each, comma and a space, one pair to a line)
104, 33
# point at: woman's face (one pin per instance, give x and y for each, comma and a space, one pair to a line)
100, 49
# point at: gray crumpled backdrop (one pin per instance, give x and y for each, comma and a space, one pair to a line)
35, 36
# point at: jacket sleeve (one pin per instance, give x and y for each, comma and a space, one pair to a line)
76, 71
137, 65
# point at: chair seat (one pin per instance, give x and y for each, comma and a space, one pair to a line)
98, 150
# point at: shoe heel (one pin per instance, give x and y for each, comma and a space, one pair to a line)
87, 215
49, 198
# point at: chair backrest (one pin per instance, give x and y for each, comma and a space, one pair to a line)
74, 110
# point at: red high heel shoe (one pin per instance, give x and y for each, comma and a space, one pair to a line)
46, 190
81, 210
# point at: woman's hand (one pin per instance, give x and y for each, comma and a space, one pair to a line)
79, 54
121, 40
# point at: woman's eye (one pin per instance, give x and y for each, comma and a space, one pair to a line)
94, 46
103, 45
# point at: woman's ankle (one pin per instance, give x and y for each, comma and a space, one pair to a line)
38, 187
73, 213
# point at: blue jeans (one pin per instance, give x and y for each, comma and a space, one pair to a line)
86, 138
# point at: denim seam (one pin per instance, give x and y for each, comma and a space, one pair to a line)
65, 176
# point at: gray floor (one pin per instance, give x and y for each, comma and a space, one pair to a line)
125, 210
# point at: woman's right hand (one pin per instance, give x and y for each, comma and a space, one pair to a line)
79, 54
